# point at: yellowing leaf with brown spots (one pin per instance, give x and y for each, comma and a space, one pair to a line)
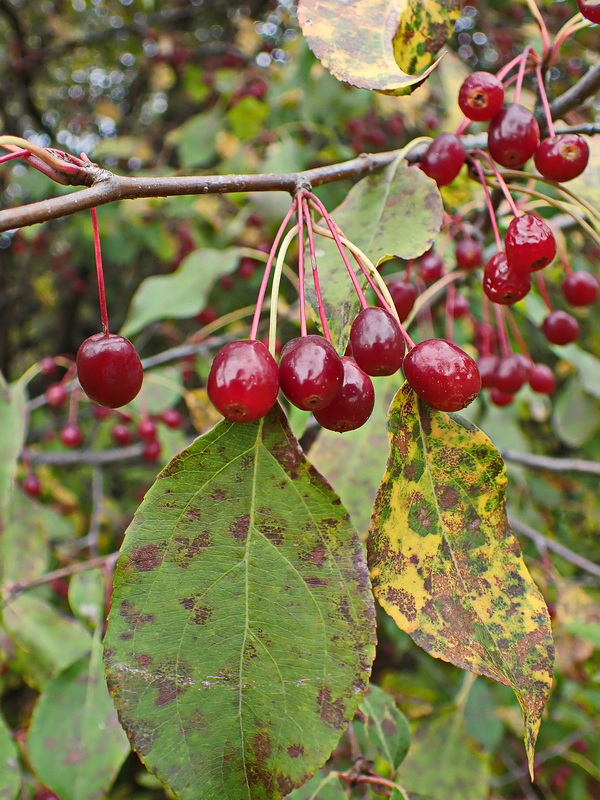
241, 632
444, 562
367, 43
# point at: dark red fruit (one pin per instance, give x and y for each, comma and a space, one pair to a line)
562, 157
151, 451
353, 404
404, 295
377, 343
513, 136
172, 418
71, 435
503, 285
146, 429
458, 306
56, 395
207, 315
310, 372
500, 398
444, 158
121, 435
481, 96
431, 266
100, 412
47, 366
31, 485
485, 338
109, 370
510, 374
590, 10
487, 369
243, 381
247, 268
541, 379
580, 289
560, 328
468, 253
442, 374
530, 244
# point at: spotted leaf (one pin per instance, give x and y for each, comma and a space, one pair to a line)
241, 633
445, 563
10, 775
362, 42
381, 729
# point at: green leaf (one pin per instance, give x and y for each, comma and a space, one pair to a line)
196, 138
12, 433
576, 415
424, 27
355, 41
75, 742
10, 777
445, 564
87, 594
444, 763
397, 212
322, 786
183, 293
241, 632
247, 118
381, 729
51, 640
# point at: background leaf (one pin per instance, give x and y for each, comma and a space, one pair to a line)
322, 786
10, 776
424, 27
445, 564
186, 289
75, 743
381, 729
241, 632
354, 41
12, 432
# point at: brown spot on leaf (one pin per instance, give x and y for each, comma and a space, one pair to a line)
318, 555
200, 614
133, 615
447, 497
331, 712
240, 527
403, 601
388, 726
314, 582
74, 757
295, 750
261, 745
146, 558
192, 513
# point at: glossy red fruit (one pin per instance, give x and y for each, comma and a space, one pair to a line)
513, 136
468, 253
71, 435
100, 412
109, 370
310, 372
442, 374
481, 96
500, 398
590, 10
171, 418
353, 404
377, 343
121, 435
560, 328
529, 243
510, 374
458, 306
243, 381
503, 285
404, 294
151, 451
580, 289
146, 429
541, 379
562, 157
56, 395
487, 369
431, 266
31, 485
47, 366
444, 158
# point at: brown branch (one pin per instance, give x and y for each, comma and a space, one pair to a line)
543, 543
556, 464
11, 589
586, 86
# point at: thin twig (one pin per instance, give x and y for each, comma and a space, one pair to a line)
555, 464
543, 543
11, 589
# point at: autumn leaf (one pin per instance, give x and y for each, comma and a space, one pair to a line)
445, 563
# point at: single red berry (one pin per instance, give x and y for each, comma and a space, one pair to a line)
487, 365
500, 398
431, 266
510, 374
353, 405
442, 374
100, 412
121, 435
247, 268
47, 366
513, 136
560, 328
468, 253
207, 315
243, 381
404, 294
71, 435
458, 306
485, 338
481, 96
530, 244
590, 10
151, 451
377, 343
541, 379
580, 289
109, 370
562, 157
172, 418
503, 285
444, 158
56, 395
310, 372
226, 283
146, 429
31, 485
